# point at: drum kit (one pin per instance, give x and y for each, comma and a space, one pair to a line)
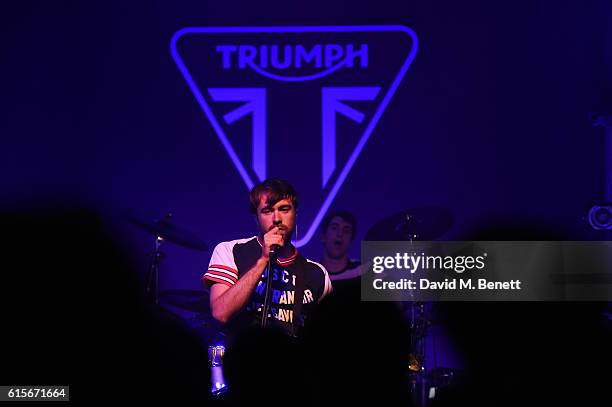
196, 302
419, 224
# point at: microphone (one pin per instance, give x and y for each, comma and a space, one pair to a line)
275, 248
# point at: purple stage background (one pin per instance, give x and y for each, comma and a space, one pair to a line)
491, 119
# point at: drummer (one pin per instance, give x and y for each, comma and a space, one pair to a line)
338, 231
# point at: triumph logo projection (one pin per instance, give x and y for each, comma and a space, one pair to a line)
329, 56
289, 101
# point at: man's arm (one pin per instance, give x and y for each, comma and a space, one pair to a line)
225, 301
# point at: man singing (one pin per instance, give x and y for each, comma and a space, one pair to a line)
236, 272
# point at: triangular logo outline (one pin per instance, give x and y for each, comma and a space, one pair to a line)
339, 181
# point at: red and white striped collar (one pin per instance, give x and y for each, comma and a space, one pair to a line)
287, 261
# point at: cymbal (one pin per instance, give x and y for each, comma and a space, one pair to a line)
424, 224
167, 230
190, 300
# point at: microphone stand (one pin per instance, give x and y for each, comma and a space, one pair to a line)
152, 288
267, 291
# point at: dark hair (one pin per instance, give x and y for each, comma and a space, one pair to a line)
276, 189
344, 215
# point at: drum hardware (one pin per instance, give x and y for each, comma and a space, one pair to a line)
422, 224
163, 230
205, 328
215, 361
167, 230
197, 301
412, 225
